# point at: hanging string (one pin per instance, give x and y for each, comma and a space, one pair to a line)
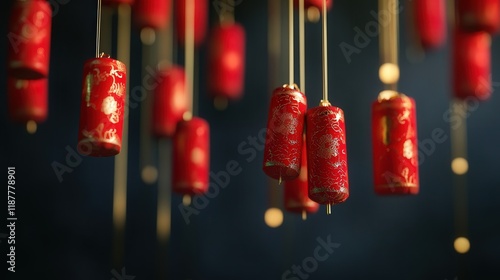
325, 55
189, 49
290, 43
98, 31
302, 47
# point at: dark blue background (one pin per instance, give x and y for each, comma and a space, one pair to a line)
65, 229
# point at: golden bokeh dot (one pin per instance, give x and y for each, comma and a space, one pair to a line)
149, 174
462, 245
313, 14
459, 165
31, 127
389, 73
273, 217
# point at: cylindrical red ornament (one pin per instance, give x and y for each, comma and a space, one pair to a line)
395, 147
170, 101
296, 191
327, 155
472, 65
315, 3
285, 125
227, 61
29, 39
27, 99
117, 2
151, 13
200, 20
430, 22
479, 15
191, 157
102, 107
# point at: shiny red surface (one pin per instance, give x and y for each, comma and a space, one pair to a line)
29, 39
191, 157
395, 146
27, 99
200, 20
479, 15
170, 101
471, 65
285, 125
327, 155
430, 22
227, 61
151, 13
102, 107
296, 191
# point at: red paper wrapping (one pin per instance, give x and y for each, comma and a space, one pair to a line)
117, 2
472, 65
151, 13
227, 61
327, 155
191, 157
27, 99
102, 107
29, 39
200, 20
479, 15
285, 125
395, 146
296, 191
430, 22
170, 101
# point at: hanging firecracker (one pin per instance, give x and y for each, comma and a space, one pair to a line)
472, 65
27, 100
117, 2
296, 191
151, 13
285, 125
227, 61
191, 157
170, 101
430, 22
102, 107
200, 20
29, 39
479, 15
394, 142
327, 154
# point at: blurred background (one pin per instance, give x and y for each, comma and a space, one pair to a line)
65, 229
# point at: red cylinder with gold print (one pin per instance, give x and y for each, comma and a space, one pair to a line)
479, 15
170, 101
285, 126
27, 99
102, 107
430, 22
117, 2
394, 142
472, 65
327, 155
296, 191
227, 61
191, 157
151, 13
200, 20
29, 39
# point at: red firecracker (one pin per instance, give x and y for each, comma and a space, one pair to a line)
27, 99
327, 155
430, 22
191, 157
102, 107
472, 65
296, 191
227, 61
170, 101
285, 125
479, 15
151, 13
200, 20
315, 3
29, 39
395, 150
117, 2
